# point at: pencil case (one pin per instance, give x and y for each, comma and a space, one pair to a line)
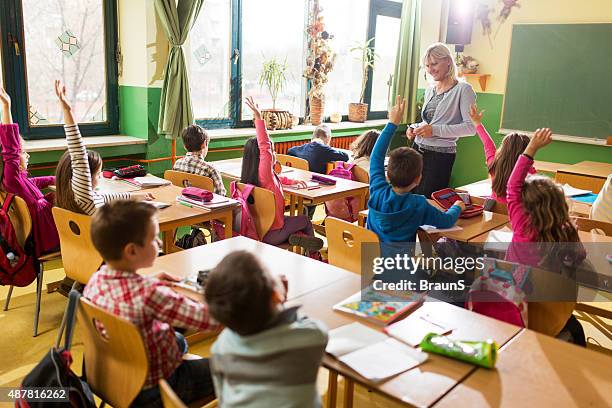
108, 173
323, 180
199, 194
136, 170
481, 353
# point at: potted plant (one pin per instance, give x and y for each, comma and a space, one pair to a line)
358, 112
273, 77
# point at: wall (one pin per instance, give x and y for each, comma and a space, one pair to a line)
469, 165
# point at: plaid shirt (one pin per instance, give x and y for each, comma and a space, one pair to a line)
194, 163
155, 309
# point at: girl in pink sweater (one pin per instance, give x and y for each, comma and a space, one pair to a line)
500, 162
15, 180
539, 214
258, 169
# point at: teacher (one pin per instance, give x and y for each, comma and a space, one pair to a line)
445, 119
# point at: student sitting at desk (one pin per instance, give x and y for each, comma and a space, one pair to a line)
125, 234
362, 148
395, 213
267, 356
318, 152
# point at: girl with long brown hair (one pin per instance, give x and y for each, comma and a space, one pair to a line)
362, 148
500, 162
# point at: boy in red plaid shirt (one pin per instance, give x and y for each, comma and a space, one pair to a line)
126, 235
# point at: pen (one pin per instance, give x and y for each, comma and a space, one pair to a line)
185, 204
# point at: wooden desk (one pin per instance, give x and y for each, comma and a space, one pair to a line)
472, 227
232, 168
106, 186
587, 175
535, 370
425, 384
178, 215
304, 274
547, 167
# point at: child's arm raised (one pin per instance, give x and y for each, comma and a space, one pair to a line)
5, 99
377, 158
487, 142
518, 216
263, 142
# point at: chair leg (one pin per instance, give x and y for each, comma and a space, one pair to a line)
60, 332
349, 387
8, 298
332, 389
39, 282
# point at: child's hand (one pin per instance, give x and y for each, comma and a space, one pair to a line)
460, 204
165, 276
142, 196
424, 131
396, 113
60, 91
476, 115
254, 108
5, 99
541, 138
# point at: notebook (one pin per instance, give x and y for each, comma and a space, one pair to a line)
413, 328
309, 185
348, 338
383, 309
573, 191
218, 201
148, 181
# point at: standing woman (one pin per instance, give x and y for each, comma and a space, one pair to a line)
446, 117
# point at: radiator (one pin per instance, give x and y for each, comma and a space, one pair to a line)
343, 142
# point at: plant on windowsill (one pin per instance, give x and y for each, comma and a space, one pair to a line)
358, 112
273, 77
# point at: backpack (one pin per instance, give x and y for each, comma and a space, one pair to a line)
192, 239
18, 266
498, 293
347, 208
54, 371
244, 220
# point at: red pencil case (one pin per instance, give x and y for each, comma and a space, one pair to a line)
323, 180
197, 194
447, 197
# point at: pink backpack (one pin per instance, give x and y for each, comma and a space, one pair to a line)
346, 209
498, 294
244, 217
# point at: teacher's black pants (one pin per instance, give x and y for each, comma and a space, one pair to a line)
437, 169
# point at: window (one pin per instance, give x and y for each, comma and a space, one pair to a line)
231, 39
67, 40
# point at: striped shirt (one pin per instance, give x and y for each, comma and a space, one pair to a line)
602, 207
194, 163
84, 195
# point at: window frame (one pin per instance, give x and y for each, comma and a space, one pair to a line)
15, 74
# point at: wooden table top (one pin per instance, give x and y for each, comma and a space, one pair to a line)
588, 168
537, 370
304, 274
425, 384
232, 168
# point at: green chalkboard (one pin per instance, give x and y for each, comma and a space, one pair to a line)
560, 76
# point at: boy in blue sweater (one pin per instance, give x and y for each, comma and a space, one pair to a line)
318, 152
395, 213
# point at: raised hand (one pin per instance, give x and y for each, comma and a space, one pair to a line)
254, 107
541, 138
5, 100
396, 113
60, 91
476, 115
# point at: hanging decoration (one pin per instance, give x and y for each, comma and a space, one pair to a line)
504, 13
482, 15
68, 43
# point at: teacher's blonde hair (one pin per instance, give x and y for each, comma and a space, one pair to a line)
439, 51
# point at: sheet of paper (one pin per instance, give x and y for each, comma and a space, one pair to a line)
413, 328
431, 229
573, 191
351, 337
384, 359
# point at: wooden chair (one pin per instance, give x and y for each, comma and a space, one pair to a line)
171, 400
593, 226
345, 240
19, 215
184, 179
263, 208
114, 355
292, 161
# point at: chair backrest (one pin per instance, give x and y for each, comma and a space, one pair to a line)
292, 161
79, 256
345, 240
263, 208
114, 353
169, 397
19, 214
184, 179
589, 225
498, 208
360, 175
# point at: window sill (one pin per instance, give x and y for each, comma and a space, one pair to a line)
300, 129
91, 142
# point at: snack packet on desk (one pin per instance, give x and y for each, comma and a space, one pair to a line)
482, 353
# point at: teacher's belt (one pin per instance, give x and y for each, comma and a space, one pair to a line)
437, 149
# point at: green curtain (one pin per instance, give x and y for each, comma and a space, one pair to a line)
406, 77
175, 110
